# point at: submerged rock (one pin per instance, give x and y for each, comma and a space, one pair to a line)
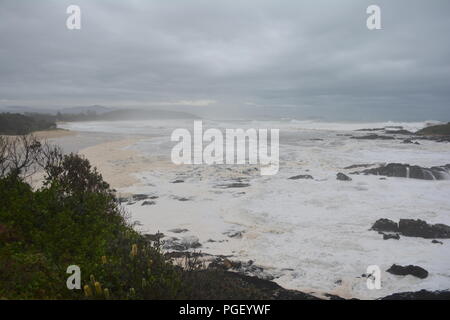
234, 185
437, 242
302, 176
178, 181
408, 171
343, 177
148, 203
178, 230
408, 270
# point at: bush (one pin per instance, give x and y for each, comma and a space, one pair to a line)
74, 219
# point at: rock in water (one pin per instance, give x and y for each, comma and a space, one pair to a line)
373, 137
419, 228
385, 225
342, 177
408, 171
413, 228
302, 176
391, 236
408, 270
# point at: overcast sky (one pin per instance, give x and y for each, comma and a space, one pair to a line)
302, 58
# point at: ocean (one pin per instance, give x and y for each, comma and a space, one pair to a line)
308, 234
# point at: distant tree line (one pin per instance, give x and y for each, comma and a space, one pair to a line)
19, 124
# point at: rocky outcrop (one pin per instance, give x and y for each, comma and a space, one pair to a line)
385, 225
420, 228
343, 177
400, 131
408, 171
415, 271
413, 228
373, 137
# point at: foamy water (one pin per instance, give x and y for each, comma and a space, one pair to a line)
309, 234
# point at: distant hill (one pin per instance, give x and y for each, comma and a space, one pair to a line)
87, 109
17, 124
137, 114
442, 129
96, 113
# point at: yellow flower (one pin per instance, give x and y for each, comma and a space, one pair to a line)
134, 250
106, 292
87, 291
104, 260
98, 288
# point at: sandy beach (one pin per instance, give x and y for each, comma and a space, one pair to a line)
116, 163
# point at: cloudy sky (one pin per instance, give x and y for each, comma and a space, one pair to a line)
251, 57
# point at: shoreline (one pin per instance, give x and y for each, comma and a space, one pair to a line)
123, 167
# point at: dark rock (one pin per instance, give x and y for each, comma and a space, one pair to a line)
178, 230
385, 225
370, 130
408, 270
419, 228
355, 166
302, 176
342, 177
408, 171
391, 236
409, 141
234, 185
234, 234
437, 242
148, 203
139, 197
183, 199
183, 244
178, 181
401, 131
373, 137
122, 200
419, 295
154, 237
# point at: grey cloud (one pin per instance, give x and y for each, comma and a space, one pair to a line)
294, 57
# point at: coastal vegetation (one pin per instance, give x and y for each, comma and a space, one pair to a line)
18, 124
75, 219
